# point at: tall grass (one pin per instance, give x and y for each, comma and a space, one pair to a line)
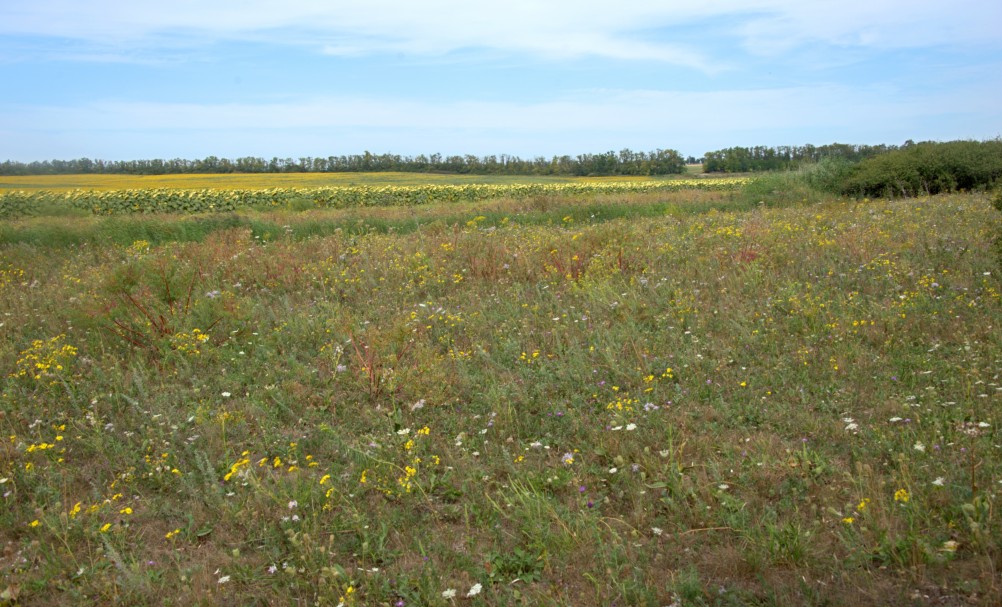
618, 401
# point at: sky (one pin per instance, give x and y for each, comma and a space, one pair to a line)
120, 80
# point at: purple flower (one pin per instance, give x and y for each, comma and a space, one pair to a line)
582, 489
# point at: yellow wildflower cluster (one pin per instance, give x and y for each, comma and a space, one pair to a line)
400, 479
44, 359
9, 275
188, 343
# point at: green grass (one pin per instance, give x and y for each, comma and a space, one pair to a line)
687, 398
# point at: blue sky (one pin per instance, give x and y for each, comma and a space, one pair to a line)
127, 80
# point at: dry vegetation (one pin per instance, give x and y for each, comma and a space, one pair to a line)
680, 399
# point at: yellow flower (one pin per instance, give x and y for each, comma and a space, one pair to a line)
34, 523
105, 527
848, 520
862, 504
901, 495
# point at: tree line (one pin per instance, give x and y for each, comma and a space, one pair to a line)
625, 162
761, 158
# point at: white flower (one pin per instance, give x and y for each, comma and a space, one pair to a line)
226, 394
950, 546
631, 427
474, 590
293, 504
613, 470
919, 447
404, 431
723, 486
657, 530
940, 481
223, 579
664, 453
894, 419
983, 424
449, 593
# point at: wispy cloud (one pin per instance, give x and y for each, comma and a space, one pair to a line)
553, 29
523, 76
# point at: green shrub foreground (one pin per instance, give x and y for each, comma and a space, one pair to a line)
775, 406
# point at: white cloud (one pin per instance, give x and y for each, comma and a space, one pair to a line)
639, 30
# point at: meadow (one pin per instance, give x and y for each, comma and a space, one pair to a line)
670, 397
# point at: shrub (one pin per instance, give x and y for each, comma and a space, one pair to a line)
927, 168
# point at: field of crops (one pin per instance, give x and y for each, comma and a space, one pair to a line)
14, 203
579, 398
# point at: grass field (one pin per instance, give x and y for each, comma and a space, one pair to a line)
685, 398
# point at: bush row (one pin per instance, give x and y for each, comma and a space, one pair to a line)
925, 168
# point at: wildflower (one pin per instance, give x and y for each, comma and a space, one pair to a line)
901, 495
34, 523
449, 593
631, 427
568, 458
474, 590
325, 478
223, 579
613, 470
940, 481
863, 503
171, 534
272, 569
657, 530
950, 546
226, 394
919, 446
105, 527
848, 520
